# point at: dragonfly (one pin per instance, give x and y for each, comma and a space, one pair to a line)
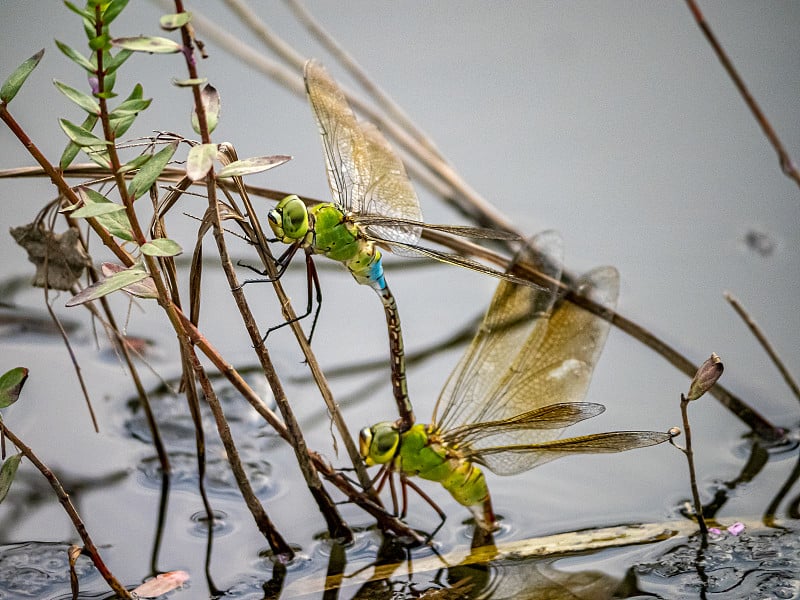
520, 383
374, 207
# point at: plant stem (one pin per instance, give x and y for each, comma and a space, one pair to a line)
77, 522
698, 506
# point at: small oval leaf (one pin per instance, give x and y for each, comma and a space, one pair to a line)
7, 472
11, 383
14, 82
151, 170
189, 82
146, 288
151, 44
79, 135
76, 57
176, 21
162, 247
209, 96
200, 160
108, 285
248, 166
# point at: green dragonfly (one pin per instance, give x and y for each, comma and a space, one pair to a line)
374, 206
519, 384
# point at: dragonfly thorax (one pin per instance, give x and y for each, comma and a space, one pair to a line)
289, 219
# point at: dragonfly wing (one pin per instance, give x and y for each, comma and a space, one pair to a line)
552, 366
389, 192
515, 314
345, 147
510, 460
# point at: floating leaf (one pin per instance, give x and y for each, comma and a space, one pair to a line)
161, 584
200, 160
175, 21
59, 257
151, 44
248, 166
11, 383
7, 472
161, 247
109, 284
146, 288
151, 170
14, 82
76, 57
209, 97
79, 135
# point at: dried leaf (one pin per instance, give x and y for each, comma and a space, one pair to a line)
200, 160
151, 44
59, 257
248, 166
161, 584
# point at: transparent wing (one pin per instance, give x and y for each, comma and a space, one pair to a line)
364, 173
346, 149
516, 313
552, 366
389, 192
510, 460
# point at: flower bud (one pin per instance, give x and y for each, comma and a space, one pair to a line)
706, 376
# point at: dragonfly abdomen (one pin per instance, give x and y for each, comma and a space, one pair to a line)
338, 239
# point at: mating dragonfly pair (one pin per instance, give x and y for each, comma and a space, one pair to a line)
524, 376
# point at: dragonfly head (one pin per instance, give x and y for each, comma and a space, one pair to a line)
289, 219
378, 444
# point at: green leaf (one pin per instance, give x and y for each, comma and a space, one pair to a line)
200, 160
149, 173
108, 285
11, 383
114, 221
116, 61
248, 166
135, 163
85, 101
79, 135
175, 21
76, 57
162, 247
99, 42
7, 472
96, 210
112, 11
72, 149
151, 44
85, 14
14, 82
146, 288
209, 97
122, 117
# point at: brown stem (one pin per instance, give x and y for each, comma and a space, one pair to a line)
63, 498
698, 506
787, 164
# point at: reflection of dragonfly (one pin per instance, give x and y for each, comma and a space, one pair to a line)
519, 384
374, 205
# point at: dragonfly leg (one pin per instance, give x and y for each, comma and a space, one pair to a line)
312, 280
282, 262
407, 482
